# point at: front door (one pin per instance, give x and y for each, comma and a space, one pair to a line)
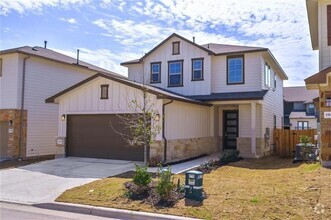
230, 129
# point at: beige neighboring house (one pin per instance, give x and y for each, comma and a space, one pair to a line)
28, 75
210, 98
319, 16
300, 112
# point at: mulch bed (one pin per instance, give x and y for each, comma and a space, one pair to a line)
148, 195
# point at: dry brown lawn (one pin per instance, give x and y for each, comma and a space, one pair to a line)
268, 188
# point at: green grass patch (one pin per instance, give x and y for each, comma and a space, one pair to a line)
311, 167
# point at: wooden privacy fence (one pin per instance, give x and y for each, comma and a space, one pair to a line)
285, 140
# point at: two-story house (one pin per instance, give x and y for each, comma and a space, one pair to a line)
300, 112
210, 98
28, 75
319, 17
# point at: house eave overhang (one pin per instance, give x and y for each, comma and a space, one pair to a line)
312, 12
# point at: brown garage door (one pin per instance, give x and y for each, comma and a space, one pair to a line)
92, 136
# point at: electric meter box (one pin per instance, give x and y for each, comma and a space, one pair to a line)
193, 185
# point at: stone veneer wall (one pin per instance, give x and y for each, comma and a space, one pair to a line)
245, 149
187, 148
14, 137
325, 92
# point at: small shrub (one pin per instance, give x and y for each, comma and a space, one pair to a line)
229, 157
142, 177
165, 185
155, 161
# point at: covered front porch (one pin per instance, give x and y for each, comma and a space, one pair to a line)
239, 126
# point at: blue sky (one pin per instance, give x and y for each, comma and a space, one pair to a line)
109, 32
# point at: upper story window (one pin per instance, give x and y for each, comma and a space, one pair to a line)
275, 81
311, 108
175, 73
328, 102
197, 69
267, 75
329, 23
0, 67
235, 69
156, 72
104, 91
175, 48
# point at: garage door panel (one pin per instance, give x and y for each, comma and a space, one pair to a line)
93, 136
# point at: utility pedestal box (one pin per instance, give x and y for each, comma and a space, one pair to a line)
193, 185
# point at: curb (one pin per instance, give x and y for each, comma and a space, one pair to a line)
107, 212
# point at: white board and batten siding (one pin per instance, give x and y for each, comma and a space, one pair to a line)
183, 121
324, 48
252, 76
43, 79
85, 99
10, 88
163, 54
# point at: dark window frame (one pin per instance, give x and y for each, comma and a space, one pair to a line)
151, 75
102, 95
202, 66
182, 75
1, 63
328, 25
227, 69
302, 127
173, 47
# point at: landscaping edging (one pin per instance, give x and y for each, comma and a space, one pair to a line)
107, 212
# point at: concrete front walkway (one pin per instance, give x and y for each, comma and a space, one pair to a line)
45, 181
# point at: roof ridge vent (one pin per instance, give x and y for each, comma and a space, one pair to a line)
34, 49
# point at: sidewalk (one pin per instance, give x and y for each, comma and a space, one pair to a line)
189, 165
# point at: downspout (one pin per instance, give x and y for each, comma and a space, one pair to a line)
163, 130
22, 109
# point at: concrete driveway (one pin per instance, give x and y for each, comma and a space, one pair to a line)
45, 181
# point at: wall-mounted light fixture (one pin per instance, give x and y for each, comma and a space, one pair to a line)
10, 123
157, 117
63, 117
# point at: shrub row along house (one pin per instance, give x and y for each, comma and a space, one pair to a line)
319, 16
209, 98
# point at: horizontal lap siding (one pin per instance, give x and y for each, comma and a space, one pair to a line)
9, 82
185, 121
44, 79
253, 74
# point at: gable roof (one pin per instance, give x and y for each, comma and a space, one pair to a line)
160, 93
299, 94
228, 96
318, 78
55, 56
217, 50
225, 49
163, 42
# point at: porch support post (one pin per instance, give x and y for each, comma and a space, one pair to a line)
253, 128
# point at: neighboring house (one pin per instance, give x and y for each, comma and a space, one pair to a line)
210, 98
319, 16
300, 112
28, 75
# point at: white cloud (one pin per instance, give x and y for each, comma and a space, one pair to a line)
20, 6
69, 20
103, 58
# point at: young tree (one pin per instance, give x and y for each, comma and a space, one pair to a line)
143, 121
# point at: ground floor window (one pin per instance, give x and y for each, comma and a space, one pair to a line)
302, 125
